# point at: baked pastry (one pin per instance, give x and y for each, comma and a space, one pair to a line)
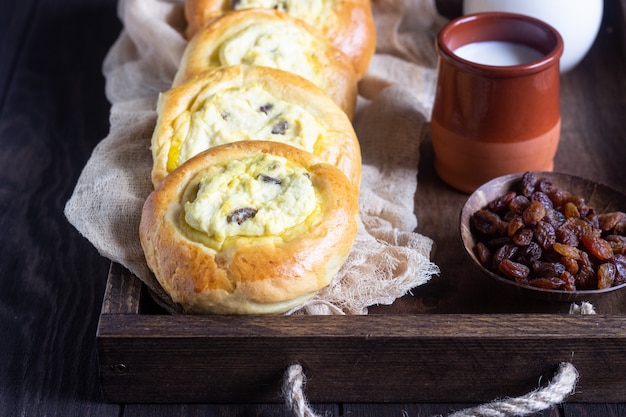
269, 38
250, 227
347, 24
235, 103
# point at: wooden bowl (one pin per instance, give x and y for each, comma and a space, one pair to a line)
601, 197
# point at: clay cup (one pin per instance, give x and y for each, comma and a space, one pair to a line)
490, 120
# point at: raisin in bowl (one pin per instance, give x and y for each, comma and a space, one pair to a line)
552, 235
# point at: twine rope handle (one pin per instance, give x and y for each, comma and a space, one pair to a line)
293, 392
562, 385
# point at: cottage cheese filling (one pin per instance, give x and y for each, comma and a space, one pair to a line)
263, 195
249, 113
314, 12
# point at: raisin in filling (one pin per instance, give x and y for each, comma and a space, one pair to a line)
280, 128
241, 215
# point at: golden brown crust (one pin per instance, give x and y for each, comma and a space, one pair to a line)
338, 145
249, 275
349, 26
323, 64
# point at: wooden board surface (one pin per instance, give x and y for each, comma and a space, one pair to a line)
372, 358
459, 327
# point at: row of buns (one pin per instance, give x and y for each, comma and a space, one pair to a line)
256, 165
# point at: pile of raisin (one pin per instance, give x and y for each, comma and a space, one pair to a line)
543, 236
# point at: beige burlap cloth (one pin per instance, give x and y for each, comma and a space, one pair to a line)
388, 258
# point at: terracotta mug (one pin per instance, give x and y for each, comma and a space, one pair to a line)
496, 110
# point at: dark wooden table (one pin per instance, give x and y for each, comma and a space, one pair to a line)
53, 112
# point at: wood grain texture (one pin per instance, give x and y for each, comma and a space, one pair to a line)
221, 410
594, 410
123, 292
431, 410
54, 113
15, 21
381, 358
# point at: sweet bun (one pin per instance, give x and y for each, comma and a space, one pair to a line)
250, 227
347, 24
236, 103
263, 37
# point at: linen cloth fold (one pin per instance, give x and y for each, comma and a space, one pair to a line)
388, 258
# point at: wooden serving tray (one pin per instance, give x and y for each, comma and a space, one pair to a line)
458, 338
149, 357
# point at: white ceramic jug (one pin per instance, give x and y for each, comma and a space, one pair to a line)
578, 21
